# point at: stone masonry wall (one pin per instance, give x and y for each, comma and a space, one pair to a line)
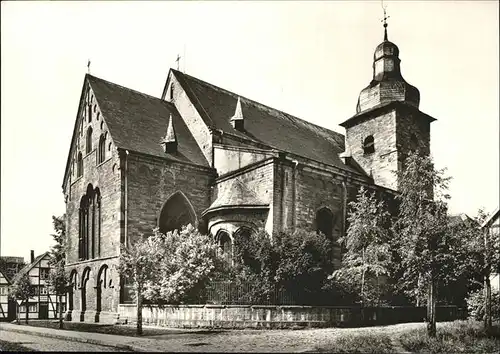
384, 161
258, 179
409, 127
152, 181
106, 176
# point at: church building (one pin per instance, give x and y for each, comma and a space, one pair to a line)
229, 165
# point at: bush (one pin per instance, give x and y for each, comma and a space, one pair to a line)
296, 264
454, 337
475, 305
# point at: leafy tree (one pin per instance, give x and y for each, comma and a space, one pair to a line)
138, 263
168, 268
186, 261
366, 243
23, 290
255, 263
304, 263
421, 228
476, 305
479, 252
296, 263
58, 278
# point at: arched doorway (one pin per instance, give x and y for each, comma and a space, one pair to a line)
175, 213
85, 281
102, 278
73, 282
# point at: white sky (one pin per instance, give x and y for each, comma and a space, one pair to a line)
310, 59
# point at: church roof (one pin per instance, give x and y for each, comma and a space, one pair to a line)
263, 124
236, 195
137, 122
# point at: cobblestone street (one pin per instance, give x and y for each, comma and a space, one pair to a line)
12, 341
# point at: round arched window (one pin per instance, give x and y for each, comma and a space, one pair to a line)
369, 145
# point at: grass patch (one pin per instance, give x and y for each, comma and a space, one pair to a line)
14, 347
454, 337
360, 343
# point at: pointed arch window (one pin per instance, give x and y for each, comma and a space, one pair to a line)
101, 156
324, 222
369, 145
89, 140
79, 165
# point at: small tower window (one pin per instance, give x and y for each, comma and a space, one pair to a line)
79, 165
171, 92
102, 149
369, 145
89, 140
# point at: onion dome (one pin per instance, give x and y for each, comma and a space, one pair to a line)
388, 84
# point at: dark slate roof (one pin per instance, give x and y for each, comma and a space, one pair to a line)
28, 267
138, 122
237, 195
263, 124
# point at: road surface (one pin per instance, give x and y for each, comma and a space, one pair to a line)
13, 342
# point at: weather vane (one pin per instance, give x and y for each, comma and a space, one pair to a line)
385, 20
177, 60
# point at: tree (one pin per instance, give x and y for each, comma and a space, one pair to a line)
256, 262
366, 243
304, 261
421, 227
138, 263
186, 261
168, 268
479, 250
296, 263
23, 290
58, 278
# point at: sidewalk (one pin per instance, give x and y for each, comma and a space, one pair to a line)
121, 342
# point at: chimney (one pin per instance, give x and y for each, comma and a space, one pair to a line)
32, 256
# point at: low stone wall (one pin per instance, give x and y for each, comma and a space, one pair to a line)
257, 316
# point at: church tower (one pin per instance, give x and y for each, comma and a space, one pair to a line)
388, 123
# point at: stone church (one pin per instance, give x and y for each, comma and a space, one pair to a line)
203, 155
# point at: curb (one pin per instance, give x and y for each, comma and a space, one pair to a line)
132, 348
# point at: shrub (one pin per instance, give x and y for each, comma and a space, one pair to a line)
475, 305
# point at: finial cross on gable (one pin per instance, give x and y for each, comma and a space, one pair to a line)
177, 60
88, 66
